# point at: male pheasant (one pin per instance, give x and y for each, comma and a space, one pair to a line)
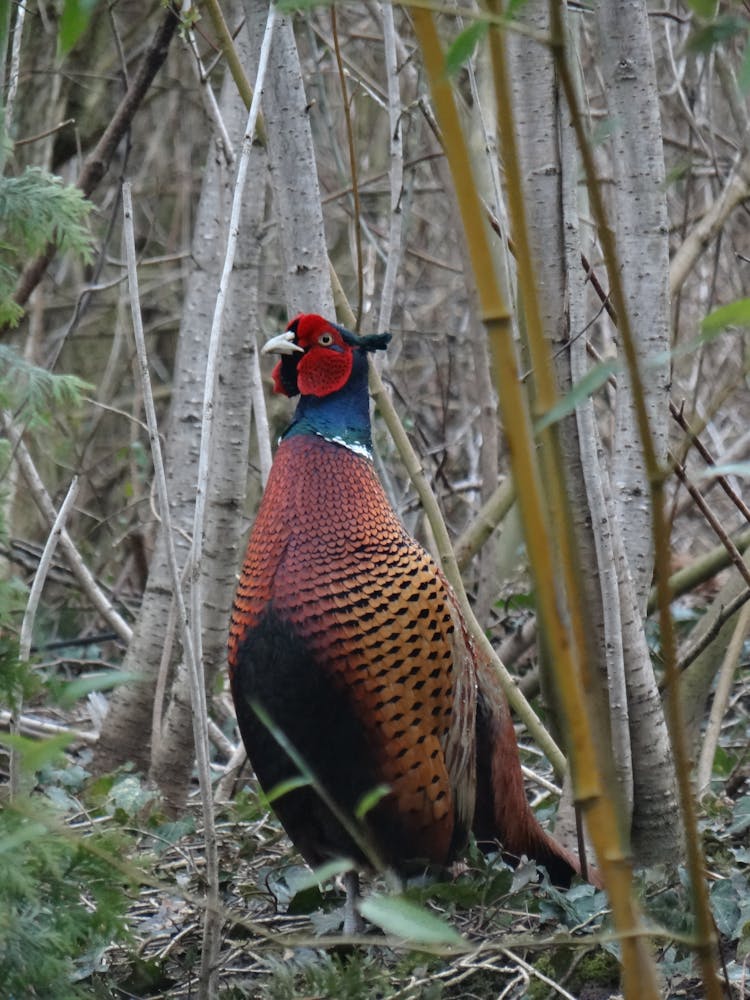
347, 639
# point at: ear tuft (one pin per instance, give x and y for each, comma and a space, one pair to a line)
370, 342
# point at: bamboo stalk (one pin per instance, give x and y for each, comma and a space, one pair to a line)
639, 972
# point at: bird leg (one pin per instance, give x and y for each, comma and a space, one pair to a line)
353, 923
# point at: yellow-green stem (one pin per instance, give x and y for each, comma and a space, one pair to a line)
545, 396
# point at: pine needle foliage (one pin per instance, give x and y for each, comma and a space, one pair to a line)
31, 393
60, 904
36, 209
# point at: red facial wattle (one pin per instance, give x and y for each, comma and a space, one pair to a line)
323, 370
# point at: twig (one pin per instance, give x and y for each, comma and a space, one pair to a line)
98, 160
734, 554
532, 971
40, 577
47, 132
679, 417
694, 651
210, 102
27, 625
30, 726
194, 668
41, 498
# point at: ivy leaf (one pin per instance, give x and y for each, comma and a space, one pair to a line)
463, 46
402, 919
741, 821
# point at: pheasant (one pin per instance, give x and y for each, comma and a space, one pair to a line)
349, 655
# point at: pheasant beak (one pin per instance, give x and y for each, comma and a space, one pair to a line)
282, 344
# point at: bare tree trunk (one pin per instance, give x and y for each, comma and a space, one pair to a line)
641, 229
551, 205
126, 733
633, 719
172, 757
294, 177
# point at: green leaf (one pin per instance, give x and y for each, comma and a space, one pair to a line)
402, 919
69, 694
463, 46
36, 753
703, 8
725, 907
585, 387
284, 787
726, 469
370, 799
721, 30
324, 872
733, 314
74, 20
743, 77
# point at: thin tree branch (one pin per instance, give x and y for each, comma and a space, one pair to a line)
41, 498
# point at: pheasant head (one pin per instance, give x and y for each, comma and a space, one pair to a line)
326, 366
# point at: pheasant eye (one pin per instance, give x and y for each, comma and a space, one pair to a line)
325, 339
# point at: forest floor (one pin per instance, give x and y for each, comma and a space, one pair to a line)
281, 933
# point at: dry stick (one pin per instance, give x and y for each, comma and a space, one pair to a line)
41, 498
30, 726
98, 160
15, 65
210, 103
212, 925
735, 192
40, 577
721, 700
197, 685
352, 166
734, 554
705, 941
708, 637
27, 625
489, 515
701, 569
708, 458
396, 170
